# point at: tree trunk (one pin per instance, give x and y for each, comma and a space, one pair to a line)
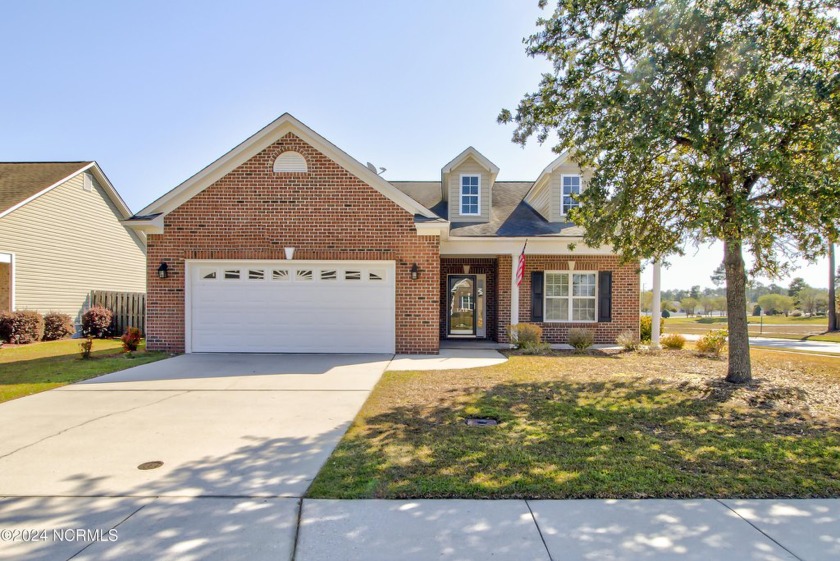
833, 324
740, 371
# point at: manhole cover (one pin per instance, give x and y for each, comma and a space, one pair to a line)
478, 422
150, 465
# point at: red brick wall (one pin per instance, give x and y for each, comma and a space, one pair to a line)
625, 296
327, 213
478, 266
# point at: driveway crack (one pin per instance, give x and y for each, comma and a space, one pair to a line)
113, 413
141, 507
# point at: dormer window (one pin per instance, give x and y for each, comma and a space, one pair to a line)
571, 188
470, 195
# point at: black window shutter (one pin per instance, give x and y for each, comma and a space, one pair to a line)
536, 296
605, 296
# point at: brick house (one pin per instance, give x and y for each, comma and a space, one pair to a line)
288, 244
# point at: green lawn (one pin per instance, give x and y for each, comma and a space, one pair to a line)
803, 329
38, 367
768, 320
572, 426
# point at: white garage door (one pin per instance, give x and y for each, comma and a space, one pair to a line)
291, 307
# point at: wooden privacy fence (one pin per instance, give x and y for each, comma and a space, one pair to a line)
129, 309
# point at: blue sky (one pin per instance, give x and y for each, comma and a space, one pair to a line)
154, 91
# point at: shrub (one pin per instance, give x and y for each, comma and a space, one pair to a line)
581, 338
627, 340
96, 322
756, 310
131, 339
713, 342
645, 326
57, 326
666, 314
85, 347
673, 341
536, 348
21, 327
525, 335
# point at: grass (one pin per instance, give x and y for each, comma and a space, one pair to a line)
609, 426
800, 329
37, 367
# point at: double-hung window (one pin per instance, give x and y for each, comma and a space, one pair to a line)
571, 188
570, 296
470, 189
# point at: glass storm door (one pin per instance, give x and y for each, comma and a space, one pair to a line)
462, 300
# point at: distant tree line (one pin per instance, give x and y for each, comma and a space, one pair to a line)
797, 298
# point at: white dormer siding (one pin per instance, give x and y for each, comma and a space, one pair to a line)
548, 196
467, 180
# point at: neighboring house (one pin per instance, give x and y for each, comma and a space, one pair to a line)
61, 236
377, 266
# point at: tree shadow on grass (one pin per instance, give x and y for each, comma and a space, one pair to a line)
633, 438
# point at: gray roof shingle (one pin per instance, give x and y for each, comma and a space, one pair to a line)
510, 215
21, 180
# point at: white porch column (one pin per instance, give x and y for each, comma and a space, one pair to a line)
656, 308
514, 290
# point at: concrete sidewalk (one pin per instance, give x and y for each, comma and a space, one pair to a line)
608, 530
257, 529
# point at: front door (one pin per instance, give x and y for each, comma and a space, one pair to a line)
462, 305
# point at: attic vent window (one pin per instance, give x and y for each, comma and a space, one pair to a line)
290, 162
88, 182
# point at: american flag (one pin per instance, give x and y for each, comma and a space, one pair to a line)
520, 269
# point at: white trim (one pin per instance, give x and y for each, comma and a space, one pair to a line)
563, 210
461, 195
435, 228
514, 289
569, 273
150, 226
477, 156
544, 245
552, 167
10, 259
259, 141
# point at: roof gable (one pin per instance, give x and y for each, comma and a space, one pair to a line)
471, 152
252, 146
22, 182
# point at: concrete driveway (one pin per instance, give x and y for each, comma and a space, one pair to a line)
240, 438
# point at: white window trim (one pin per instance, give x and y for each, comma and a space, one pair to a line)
569, 298
9, 257
563, 210
461, 194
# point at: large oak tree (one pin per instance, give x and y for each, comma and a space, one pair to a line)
703, 120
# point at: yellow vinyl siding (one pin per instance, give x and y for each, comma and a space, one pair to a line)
68, 242
555, 182
469, 167
540, 199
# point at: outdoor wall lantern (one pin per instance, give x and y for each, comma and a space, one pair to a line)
163, 270
415, 271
